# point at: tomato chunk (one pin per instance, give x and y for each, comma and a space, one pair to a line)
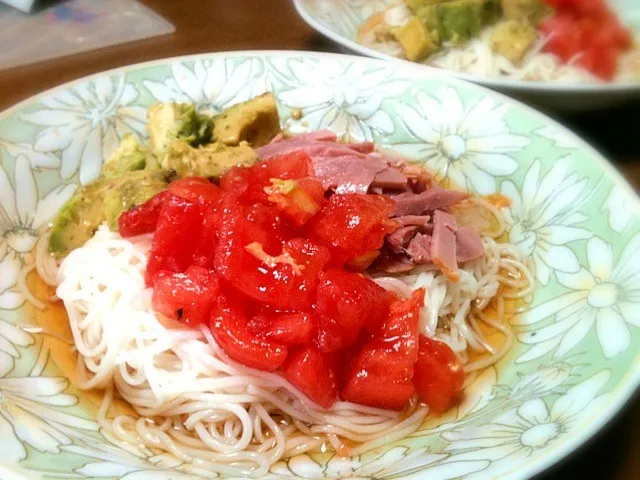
438, 375
143, 218
286, 280
187, 296
352, 225
248, 183
179, 223
381, 375
196, 190
313, 373
346, 302
289, 328
299, 199
228, 323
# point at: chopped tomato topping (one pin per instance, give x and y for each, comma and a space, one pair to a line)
228, 324
382, 373
143, 218
438, 375
299, 199
313, 373
185, 296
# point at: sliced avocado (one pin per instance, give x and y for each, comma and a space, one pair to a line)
255, 121
460, 20
513, 39
530, 10
170, 121
417, 42
79, 218
129, 156
132, 190
210, 161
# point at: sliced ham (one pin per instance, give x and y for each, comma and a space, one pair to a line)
391, 178
469, 245
393, 263
364, 147
419, 249
443, 244
409, 203
418, 220
400, 238
347, 174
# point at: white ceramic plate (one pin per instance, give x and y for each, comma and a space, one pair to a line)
339, 20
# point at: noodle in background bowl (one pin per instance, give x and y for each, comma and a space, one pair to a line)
339, 21
576, 356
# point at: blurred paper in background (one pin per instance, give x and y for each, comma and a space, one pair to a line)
73, 26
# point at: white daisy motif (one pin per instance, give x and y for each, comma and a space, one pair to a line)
38, 160
544, 215
619, 208
559, 138
211, 84
531, 428
86, 123
603, 294
27, 416
111, 461
390, 464
11, 337
470, 146
22, 216
343, 97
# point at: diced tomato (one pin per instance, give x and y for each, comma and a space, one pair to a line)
589, 29
564, 39
382, 373
248, 183
600, 61
179, 223
361, 263
287, 280
228, 323
289, 328
346, 302
352, 225
187, 296
298, 199
143, 218
205, 249
313, 373
264, 224
196, 190
438, 375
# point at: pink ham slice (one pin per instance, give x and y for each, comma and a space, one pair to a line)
443, 244
347, 174
418, 220
419, 249
400, 238
391, 178
469, 245
409, 203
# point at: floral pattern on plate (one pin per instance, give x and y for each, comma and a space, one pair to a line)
574, 359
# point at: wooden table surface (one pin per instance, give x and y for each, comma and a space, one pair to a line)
220, 25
